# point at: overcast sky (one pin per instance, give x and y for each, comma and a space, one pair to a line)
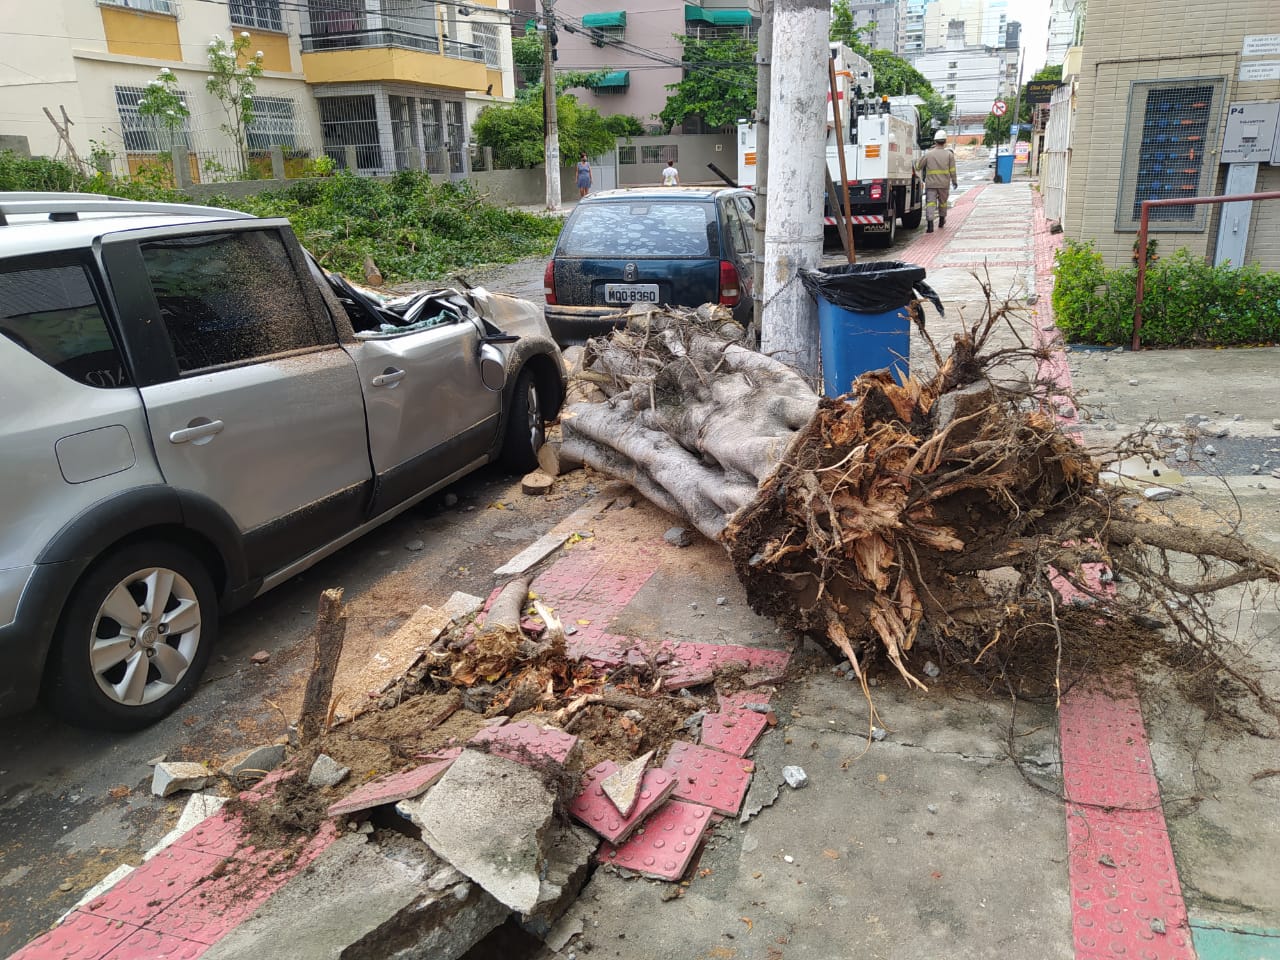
1034, 17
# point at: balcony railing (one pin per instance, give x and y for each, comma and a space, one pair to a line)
362, 39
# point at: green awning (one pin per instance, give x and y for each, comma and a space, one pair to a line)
717, 17
598, 21
614, 78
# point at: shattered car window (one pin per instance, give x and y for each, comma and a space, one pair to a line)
639, 229
229, 297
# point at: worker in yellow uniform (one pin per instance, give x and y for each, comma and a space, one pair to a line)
938, 168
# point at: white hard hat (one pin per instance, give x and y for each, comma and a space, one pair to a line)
940, 135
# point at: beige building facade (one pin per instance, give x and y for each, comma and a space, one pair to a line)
397, 79
1155, 84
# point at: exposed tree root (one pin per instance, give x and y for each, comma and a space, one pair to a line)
950, 511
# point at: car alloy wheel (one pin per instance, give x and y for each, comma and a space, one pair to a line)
537, 429
145, 636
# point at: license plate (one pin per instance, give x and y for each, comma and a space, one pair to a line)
630, 293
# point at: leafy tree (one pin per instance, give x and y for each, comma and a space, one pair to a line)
233, 80
516, 132
996, 130
719, 83
163, 105
526, 51
624, 125
843, 30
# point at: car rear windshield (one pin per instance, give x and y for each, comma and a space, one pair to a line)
648, 228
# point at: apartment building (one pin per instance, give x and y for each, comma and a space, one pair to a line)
378, 84
639, 48
879, 20
1153, 120
1066, 28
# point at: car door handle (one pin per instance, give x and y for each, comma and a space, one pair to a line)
388, 377
197, 432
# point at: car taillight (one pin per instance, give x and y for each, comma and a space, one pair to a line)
877, 191
729, 282
549, 283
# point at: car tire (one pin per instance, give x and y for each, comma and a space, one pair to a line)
911, 221
526, 429
885, 240
107, 636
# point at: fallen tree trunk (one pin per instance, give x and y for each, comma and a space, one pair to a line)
952, 507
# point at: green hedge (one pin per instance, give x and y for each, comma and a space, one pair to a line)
1186, 301
413, 228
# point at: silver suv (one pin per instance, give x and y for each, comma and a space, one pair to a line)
194, 412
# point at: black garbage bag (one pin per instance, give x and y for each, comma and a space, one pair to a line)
870, 287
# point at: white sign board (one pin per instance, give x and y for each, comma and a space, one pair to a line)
1251, 129
1260, 70
1261, 45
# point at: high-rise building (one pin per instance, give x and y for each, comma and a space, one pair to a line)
879, 20
1066, 23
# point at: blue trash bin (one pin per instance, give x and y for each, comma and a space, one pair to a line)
1004, 168
854, 343
864, 318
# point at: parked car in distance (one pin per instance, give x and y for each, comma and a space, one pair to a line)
195, 412
684, 246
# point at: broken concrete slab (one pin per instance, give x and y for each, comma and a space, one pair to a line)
622, 787
460, 605
532, 554
569, 853
169, 778
366, 899
490, 818
326, 772
597, 811
253, 764
371, 663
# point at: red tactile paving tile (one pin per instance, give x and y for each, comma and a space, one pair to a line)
605, 648
144, 892
153, 945
81, 936
395, 786
663, 847
220, 835
709, 777
740, 701
594, 809
520, 741
734, 732
1120, 862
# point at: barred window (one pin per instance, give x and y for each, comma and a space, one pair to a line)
146, 134
151, 6
668, 153
275, 123
1170, 137
627, 154
263, 14
486, 34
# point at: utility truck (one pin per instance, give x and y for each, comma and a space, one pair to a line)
881, 150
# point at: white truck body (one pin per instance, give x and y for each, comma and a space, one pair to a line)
880, 153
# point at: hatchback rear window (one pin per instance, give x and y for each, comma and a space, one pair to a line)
639, 229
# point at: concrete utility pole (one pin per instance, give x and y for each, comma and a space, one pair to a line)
793, 235
551, 143
764, 51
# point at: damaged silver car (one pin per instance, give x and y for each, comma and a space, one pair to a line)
198, 412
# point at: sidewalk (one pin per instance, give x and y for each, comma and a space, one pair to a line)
927, 842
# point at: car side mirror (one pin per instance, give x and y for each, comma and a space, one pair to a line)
493, 369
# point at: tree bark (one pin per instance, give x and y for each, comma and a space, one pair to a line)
331, 629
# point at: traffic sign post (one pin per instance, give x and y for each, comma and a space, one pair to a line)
999, 108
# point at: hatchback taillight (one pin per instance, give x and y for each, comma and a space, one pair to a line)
877, 191
549, 283
729, 283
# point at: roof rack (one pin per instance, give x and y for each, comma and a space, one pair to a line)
69, 206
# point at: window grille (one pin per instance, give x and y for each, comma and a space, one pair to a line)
1170, 137
169, 7
351, 122
651, 155
275, 123
486, 34
627, 154
261, 14
144, 134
